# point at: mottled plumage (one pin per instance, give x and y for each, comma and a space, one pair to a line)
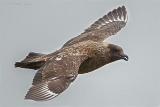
79, 55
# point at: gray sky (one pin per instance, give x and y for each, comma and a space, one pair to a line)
45, 25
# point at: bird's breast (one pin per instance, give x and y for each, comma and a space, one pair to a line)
92, 64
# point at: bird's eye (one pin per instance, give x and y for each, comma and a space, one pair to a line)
115, 50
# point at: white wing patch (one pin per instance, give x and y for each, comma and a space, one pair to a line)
40, 92
48, 93
58, 58
111, 19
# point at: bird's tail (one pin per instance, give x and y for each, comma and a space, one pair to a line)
29, 65
29, 62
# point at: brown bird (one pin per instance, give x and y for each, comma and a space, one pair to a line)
79, 55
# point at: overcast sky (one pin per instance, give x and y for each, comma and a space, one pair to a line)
45, 25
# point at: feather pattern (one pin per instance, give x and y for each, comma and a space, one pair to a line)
55, 75
82, 54
104, 27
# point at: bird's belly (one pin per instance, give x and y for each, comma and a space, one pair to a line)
91, 64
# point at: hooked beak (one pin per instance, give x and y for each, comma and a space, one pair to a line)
123, 56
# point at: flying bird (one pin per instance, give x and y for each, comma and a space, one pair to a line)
79, 55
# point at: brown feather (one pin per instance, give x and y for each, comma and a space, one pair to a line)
79, 55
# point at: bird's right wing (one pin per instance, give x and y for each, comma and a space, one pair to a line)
55, 76
104, 27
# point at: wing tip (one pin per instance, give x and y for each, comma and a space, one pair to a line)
123, 6
40, 92
27, 98
39, 97
116, 15
120, 15
124, 11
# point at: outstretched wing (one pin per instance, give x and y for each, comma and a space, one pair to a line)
104, 27
55, 76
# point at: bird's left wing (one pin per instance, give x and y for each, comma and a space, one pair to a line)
104, 27
55, 76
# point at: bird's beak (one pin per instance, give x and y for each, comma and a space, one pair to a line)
123, 56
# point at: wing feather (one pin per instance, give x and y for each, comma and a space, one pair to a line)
55, 76
104, 27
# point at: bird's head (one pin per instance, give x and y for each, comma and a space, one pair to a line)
115, 52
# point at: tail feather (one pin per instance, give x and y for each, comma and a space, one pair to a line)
31, 56
29, 61
29, 65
